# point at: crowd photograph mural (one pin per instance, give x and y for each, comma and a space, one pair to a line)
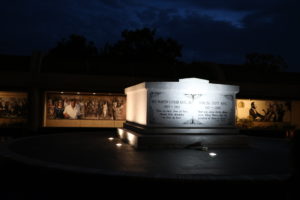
84, 107
13, 109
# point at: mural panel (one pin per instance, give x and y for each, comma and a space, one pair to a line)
13, 109
84, 107
263, 113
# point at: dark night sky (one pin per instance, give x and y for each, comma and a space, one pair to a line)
221, 31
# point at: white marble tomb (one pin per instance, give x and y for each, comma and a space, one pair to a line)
190, 102
180, 114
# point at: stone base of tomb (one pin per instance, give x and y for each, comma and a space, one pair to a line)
142, 137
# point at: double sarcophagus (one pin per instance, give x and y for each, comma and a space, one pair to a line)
180, 113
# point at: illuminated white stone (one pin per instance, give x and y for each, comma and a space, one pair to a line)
189, 102
120, 133
136, 108
131, 138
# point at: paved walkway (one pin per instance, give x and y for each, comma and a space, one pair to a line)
94, 153
85, 160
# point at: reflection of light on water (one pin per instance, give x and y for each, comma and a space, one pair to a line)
212, 154
110, 138
118, 144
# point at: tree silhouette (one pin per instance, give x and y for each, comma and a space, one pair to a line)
141, 45
74, 46
265, 62
70, 56
141, 53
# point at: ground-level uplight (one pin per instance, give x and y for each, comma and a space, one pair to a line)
119, 144
110, 138
212, 154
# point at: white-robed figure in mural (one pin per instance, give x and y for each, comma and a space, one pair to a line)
104, 110
72, 111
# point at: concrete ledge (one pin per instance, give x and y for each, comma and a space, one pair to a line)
147, 141
148, 130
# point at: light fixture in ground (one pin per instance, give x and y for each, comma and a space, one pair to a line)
119, 144
212, 154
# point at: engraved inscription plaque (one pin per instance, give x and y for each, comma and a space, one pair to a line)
191, 110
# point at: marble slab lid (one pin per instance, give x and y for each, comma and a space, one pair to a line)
193, 80
195, 84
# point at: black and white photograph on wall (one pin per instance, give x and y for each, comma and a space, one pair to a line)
13, 109
85, 106
263, 112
